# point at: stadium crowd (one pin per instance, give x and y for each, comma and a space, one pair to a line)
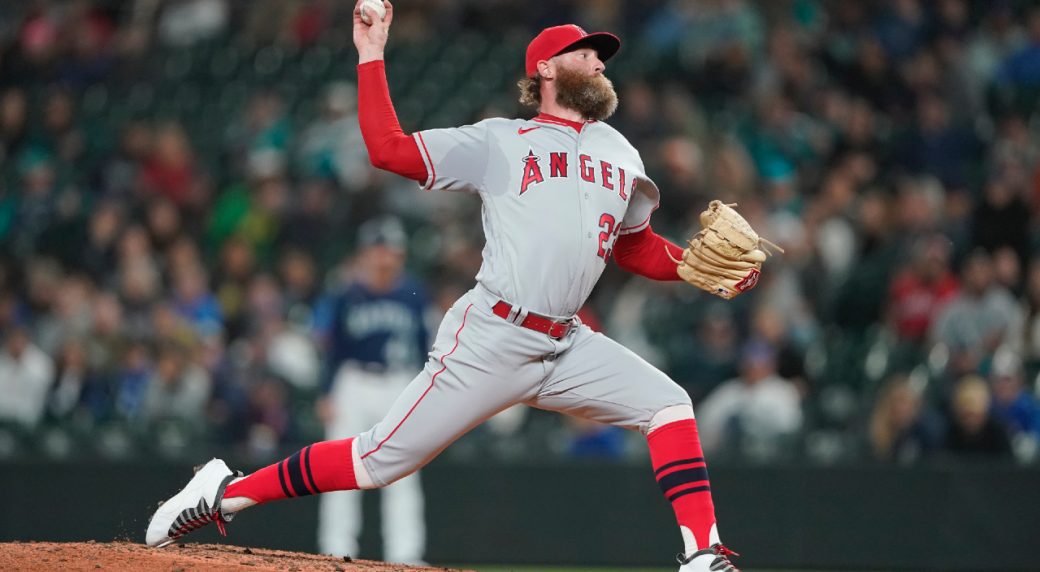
170, 237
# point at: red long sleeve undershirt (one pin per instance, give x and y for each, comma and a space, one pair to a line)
646, 253
389, 148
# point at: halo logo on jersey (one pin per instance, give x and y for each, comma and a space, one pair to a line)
532, 172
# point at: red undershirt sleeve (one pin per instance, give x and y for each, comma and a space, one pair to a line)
388, 146
646, 253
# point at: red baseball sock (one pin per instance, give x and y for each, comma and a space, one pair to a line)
675, 451
319, 468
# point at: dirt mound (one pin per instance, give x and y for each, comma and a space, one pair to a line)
93, 556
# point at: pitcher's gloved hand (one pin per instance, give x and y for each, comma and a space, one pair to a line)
725, 257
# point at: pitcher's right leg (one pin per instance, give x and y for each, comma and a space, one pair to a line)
479, 365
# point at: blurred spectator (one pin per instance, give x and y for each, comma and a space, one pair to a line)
178, 388
139, 288
331, 146
872, 76
299, 279
267, 416
591, 440
69, 316
756, 413
972, 430
108, 338
14, 124
38, 44
163, 223
181, 255
993, 42
98, 256
292, 356
62, 138
978, 319
780, 140
63, 237
710, 357
121, 172
718, 41
858, 130
88, 32
265, 307
194, 302
769, 326
732, 171
899, 430
640, 119
80, 392
131, 381
1022, 68
253, 212
938, 144
1014, 406
314, 220
1007, 271
262, 133
1029, 337
312, 19
36, 200
919, 292
682, 162
860, 300
26, 375
183, 23
1002, 220
900, 26
171, 170
236, 270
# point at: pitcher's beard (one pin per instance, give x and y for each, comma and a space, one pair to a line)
592, 96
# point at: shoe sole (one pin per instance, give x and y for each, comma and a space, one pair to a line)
208, 477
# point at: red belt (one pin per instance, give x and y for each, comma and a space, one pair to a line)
555, 329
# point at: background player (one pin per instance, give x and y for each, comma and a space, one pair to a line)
378, 339
561, 193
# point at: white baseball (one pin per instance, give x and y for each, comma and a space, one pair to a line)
374, 7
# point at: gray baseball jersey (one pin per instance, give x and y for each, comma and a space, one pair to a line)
554, 201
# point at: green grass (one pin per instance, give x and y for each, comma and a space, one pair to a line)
566, 569
580, 569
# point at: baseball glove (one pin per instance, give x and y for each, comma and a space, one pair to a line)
725, 257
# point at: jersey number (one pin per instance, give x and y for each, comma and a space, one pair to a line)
610, 231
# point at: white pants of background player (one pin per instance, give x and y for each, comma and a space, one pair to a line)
359, 400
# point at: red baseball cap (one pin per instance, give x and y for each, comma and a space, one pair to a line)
557, 39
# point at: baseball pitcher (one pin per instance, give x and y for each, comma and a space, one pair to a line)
563, 193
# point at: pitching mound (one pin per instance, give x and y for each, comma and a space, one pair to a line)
125, 556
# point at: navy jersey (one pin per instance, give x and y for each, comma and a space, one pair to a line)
378, 331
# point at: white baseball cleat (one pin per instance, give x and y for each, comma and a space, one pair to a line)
196, 505
715, 558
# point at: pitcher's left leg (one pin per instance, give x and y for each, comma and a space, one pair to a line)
599, 379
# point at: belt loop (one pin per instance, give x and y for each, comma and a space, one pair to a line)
519, 315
